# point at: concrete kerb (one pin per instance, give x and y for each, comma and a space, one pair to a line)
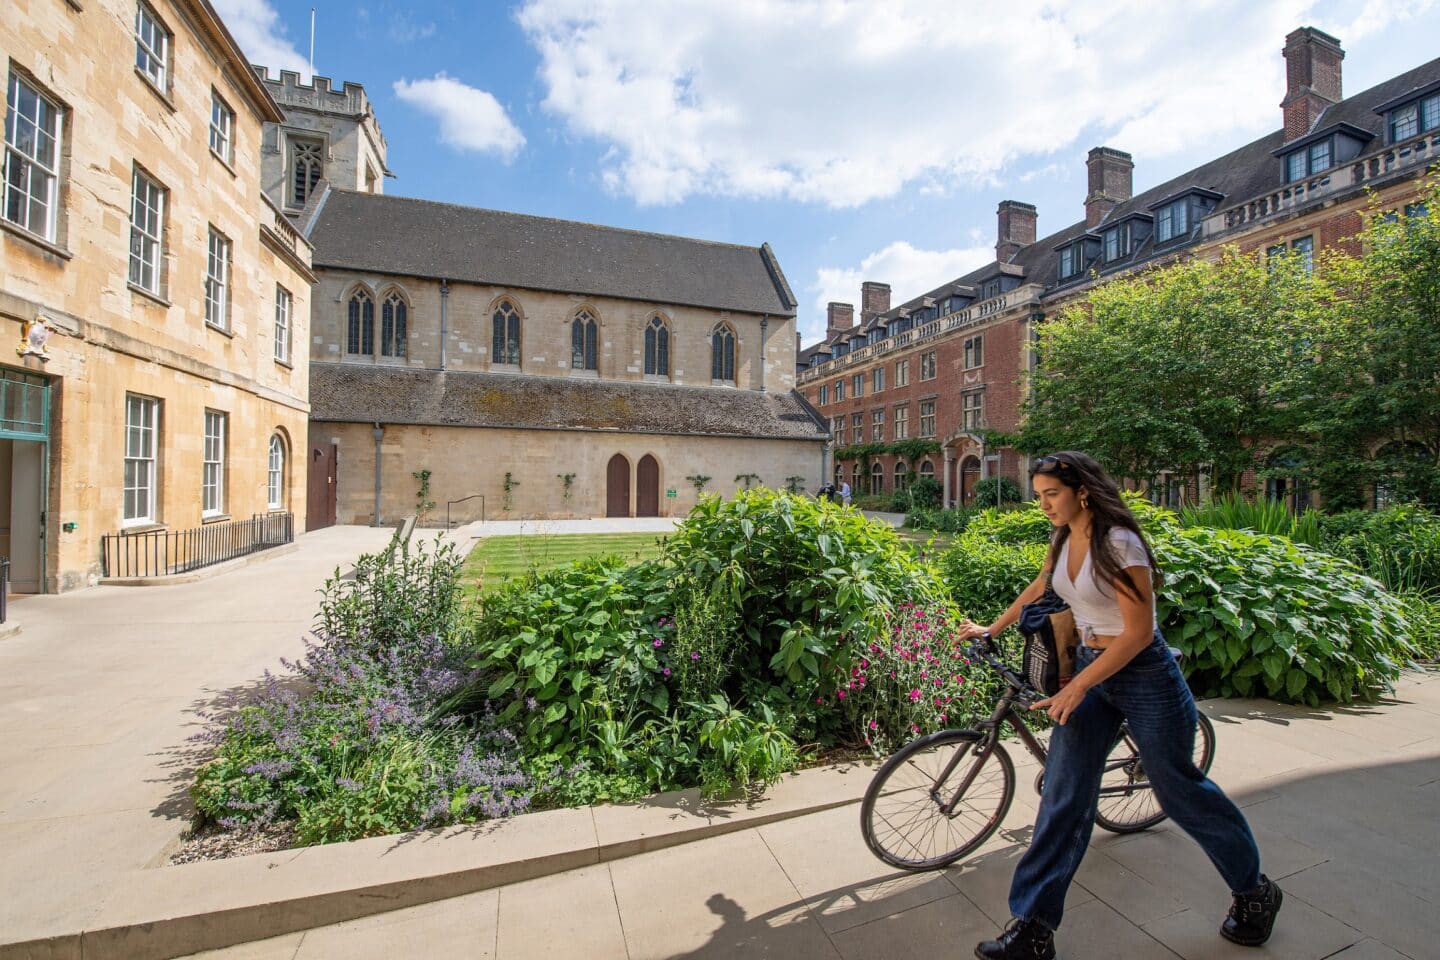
173, 911
204, 573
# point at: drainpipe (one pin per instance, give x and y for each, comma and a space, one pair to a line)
444, 303
379, 434
764, 322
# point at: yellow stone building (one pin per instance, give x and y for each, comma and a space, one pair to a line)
154, 303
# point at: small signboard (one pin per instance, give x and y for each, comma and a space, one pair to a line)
670, 494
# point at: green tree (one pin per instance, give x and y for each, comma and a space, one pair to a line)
1180, 369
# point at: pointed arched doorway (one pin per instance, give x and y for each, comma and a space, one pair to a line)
617, 487
647, 487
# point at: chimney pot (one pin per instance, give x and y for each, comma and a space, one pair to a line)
1111, 182
1015, 228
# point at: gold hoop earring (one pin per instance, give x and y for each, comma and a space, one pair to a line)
1084, 503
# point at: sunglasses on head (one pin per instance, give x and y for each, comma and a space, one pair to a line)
1043, 463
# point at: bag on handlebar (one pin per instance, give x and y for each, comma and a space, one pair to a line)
1048, 626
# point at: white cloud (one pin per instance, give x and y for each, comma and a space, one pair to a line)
405, 29
470, 118
909, 271
840, 102
257, 28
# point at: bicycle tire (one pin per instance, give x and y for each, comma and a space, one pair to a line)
901, 817
1136, 807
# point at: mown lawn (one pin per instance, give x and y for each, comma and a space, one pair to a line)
496, 559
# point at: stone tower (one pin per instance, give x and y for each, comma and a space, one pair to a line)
328, 134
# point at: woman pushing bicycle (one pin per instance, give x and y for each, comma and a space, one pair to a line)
1100, 564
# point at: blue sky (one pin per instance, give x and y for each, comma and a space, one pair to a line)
862, 140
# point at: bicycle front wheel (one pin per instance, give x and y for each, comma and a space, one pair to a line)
1127, 802
937, 799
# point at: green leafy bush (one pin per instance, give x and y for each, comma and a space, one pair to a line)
941, 521
985, 495
985, 576
1028, 524
1260, 615
1399, 546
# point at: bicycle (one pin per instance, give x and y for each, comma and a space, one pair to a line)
916, 817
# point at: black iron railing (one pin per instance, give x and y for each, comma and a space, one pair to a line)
159, 553
4, 586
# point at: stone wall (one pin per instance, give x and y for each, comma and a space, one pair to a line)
464, 461
545, 332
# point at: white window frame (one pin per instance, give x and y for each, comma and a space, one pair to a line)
902, 373
927, 419
857, 385
152, 53
22, 165
275, 475
878, 381
142, 448
147, 231
928, 364
212, 476
974, 352
973, 409
823, 397
217, 280
284, 307
222, 128
902, 423
877, 425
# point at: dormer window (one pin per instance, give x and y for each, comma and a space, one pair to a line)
991, 288
1308, 161
1422, 116
1172, 220
1069, 261
1117, 242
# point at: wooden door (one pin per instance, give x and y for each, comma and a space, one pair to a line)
321, 481
617, 487
647, 487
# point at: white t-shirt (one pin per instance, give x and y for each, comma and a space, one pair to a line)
1094, 605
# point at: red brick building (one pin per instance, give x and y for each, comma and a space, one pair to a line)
953, 362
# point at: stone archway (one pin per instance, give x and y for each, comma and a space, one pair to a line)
969, 477
647, 487
617, 487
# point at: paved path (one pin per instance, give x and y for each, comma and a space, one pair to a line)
98, 694
1345, 802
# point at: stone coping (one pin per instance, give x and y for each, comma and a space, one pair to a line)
172, 911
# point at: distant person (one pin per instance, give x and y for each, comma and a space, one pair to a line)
1103, 568
845, 492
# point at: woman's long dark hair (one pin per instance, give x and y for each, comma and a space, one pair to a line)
1107, 512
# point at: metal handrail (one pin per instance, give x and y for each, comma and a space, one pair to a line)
159, 553
472, 496
4, 586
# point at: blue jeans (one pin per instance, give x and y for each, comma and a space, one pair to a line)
1151, 694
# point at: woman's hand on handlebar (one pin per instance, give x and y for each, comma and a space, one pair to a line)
969, 631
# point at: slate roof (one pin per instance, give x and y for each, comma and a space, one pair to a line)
401, 235
365, 393
1241, 175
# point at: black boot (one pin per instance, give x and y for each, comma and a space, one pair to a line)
1253, 914
1022, 940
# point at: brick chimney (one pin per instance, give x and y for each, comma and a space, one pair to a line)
1111, 182
874, 300
839, 317
1016, 229
1312, 79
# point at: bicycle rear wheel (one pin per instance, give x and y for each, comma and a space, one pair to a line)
1127, 802
903, 818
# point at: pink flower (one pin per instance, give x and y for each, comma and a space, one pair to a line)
820, 700
873, 724
659, 643
694, 656
914, 695
666, 671
840, 694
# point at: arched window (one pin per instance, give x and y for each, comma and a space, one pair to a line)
584, 337
657, 347
360, 334
307, 166
902, 476
276, 484
877, 478
505, 342
722, 353
927, 469
394, 325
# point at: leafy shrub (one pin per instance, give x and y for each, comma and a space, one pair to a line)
1399, 546
923, 492
985, 576
875, 503
941, 521
1028, 524
352, 742
1234, 512
1422, 612
985, 495
1261, 615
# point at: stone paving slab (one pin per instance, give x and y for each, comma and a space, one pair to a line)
1342, 834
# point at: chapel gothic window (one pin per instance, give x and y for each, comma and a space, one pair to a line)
722, 354
360, 331
584, 336
657, 348
306, 168
505, 342
394, 321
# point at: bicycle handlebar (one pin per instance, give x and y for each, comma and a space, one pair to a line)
985, 649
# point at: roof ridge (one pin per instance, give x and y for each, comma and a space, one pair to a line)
382, 197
